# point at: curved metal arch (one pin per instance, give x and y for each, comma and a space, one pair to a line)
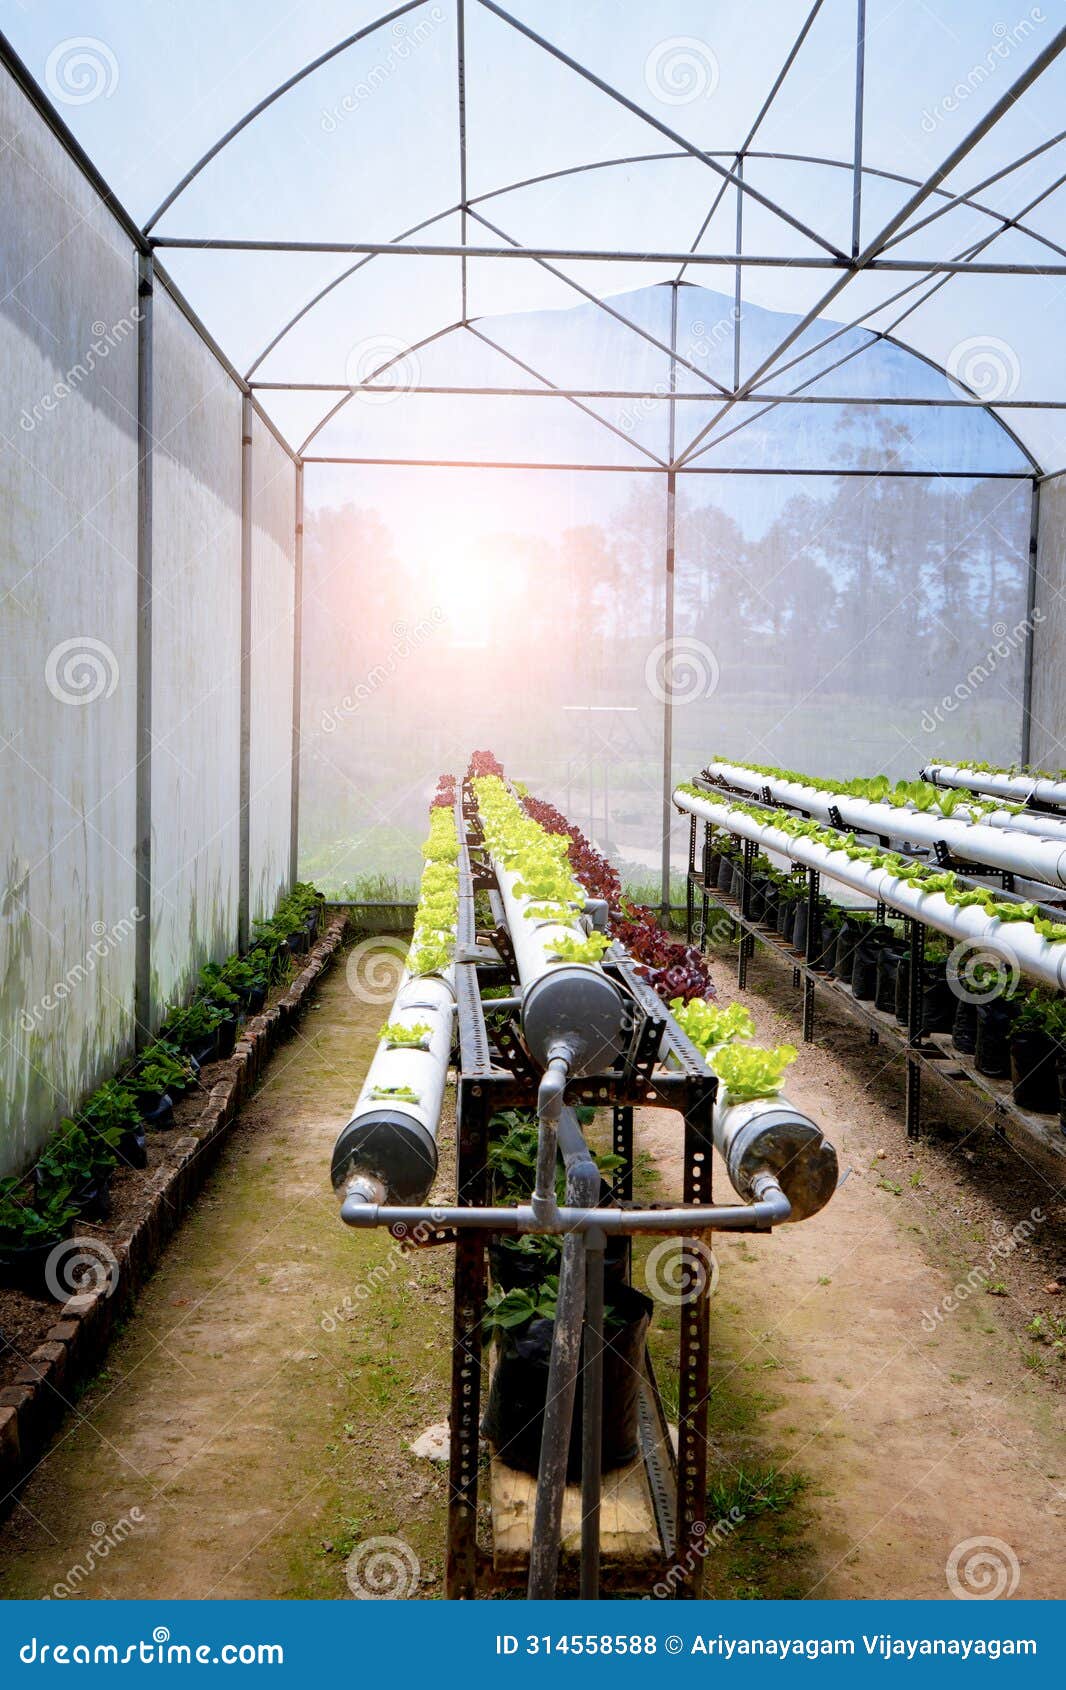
663, 157
405, 352
268, 100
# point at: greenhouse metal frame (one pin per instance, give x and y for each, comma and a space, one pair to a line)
920, 278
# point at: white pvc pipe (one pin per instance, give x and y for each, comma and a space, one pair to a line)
1016, 941
1019, 788
430, 1000
1035, 859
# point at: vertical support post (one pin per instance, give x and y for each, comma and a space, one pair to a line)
1030, 630
813, 941
747, 942
737, 292
916, 946
142, 968
244, 922
689, 889
860, 91
468, 1306
297, 674
694, 1349
460, 59
708, 851
592, 1416
668, 617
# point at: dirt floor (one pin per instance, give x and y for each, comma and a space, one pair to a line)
887, 1384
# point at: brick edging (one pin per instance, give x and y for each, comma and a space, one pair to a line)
32, 1407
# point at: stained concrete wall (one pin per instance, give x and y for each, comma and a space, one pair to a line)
69, 923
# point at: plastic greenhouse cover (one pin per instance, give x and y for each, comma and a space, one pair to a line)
368, 146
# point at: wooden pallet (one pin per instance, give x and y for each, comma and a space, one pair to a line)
629, 1536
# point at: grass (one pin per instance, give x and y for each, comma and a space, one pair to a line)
752, 1491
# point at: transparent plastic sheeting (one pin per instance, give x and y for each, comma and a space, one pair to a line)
523, 611
68, 644
369, 144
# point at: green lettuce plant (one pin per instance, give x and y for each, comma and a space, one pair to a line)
750, 1071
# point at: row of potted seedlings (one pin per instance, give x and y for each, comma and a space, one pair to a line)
71, 1180
1018, 1034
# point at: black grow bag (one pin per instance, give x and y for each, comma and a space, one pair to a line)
725, 874
23, 1267
964, 1027
736, 884
844, 956
514, 1417
864, 964
992, 1056
1034, 1065
889, 958
903, 989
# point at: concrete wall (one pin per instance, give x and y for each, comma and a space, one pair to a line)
69, 925
1048, 727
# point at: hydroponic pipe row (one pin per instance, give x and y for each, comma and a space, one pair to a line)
981, 841
571, 1012
1036, 956
1001, 783
388, 1150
